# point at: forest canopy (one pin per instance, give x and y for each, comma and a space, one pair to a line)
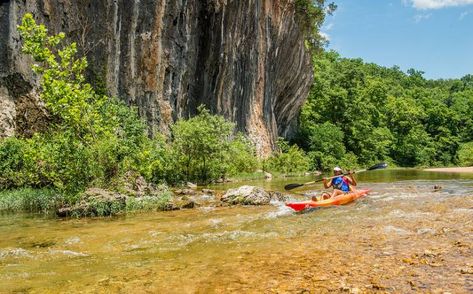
359, 113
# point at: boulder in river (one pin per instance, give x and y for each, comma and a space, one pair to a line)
191, 185
184, 192
95, 201
250, 195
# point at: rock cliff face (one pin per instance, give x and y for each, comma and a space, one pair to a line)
244, 59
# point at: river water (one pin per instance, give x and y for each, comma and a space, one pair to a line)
403, 237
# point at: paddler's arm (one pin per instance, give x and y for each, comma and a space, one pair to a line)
327, 183
351, 178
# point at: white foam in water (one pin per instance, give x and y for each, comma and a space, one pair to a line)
154, 234
423, 231
14, 252
72, 240
389, 198
282, 209
68, 253
464, 210
402, 214
227, 235
215, 221
379, 195
310, 193
234, 235
184, 240
393, 229
206, 209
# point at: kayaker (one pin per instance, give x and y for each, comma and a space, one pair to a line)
341, 184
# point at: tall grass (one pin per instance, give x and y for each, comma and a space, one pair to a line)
30, 200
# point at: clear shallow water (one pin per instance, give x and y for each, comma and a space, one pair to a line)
377, 176
403, 237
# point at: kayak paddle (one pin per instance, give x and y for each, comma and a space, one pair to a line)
374, 167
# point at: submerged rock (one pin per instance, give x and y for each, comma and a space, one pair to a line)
171, 206
188, 204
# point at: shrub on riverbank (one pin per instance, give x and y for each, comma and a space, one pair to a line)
465, 154
288, 159
205, 148
30, 200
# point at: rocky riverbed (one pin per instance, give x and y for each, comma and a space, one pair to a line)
101, 202
404, 237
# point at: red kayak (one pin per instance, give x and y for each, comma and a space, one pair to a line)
339, 200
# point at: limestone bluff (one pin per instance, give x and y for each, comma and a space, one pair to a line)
243, 59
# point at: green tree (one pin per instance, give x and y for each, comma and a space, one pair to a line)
385, 114
465, 154
202, 145
288, 159
311, 15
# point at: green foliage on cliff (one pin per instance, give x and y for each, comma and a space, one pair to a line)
367, 113
310, 15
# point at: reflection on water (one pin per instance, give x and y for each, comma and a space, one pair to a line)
403, 237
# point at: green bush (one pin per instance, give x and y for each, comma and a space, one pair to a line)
240, 158
148, 202
326, 146
415, 148
288, 160
13, 163
157, 161
465, 154
30, 200
204, 149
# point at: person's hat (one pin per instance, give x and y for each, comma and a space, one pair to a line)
337, 169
